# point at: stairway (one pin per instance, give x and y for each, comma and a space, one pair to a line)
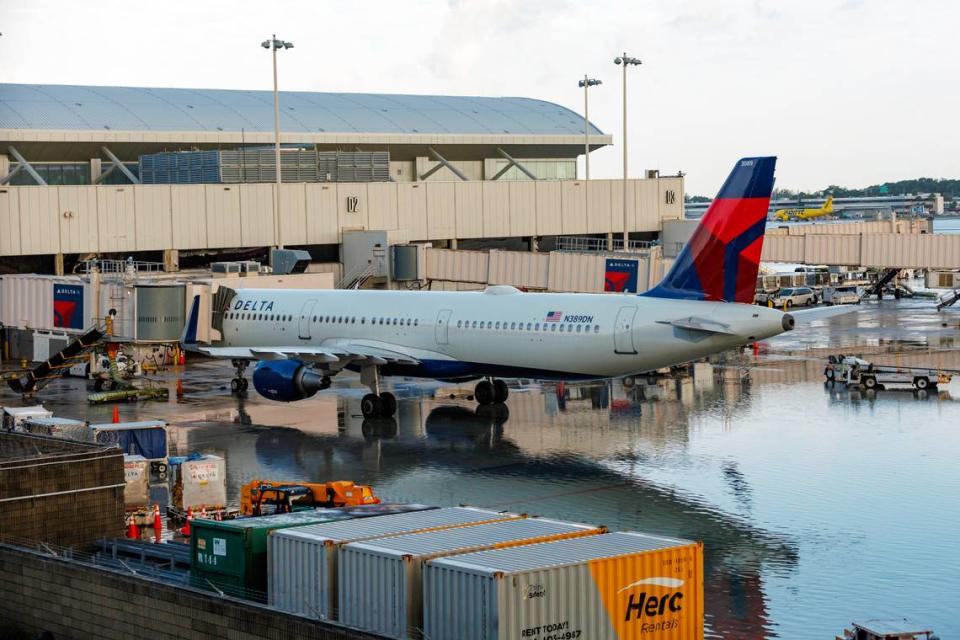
949, 300
58, 364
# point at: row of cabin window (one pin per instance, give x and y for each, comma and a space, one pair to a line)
273, 317
529, 326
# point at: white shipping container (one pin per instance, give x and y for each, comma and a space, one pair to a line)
302, 561
608, 587
379, 582
136, 477
204, 483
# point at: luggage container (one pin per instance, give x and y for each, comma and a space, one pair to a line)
54, 427
378, 582
231, 555
202, 483
617, 586
147, 438
15, 417
136, 477
302, 561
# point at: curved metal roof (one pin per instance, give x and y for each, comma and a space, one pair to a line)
88, 108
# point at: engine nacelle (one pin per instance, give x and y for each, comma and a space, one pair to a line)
287, 380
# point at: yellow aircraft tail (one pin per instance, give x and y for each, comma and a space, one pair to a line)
828, 205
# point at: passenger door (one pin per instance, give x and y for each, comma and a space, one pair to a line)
305, 319
442, 330
623, 331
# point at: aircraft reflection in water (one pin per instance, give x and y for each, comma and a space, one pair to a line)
568, 452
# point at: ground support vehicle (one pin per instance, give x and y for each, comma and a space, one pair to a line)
856, 371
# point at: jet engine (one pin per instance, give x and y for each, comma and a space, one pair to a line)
287, 380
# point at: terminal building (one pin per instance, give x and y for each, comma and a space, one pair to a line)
443, 170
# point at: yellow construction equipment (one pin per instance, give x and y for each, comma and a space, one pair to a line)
258, 497
805, 214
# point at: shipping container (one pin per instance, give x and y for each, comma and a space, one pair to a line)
617, 586
302, 561
379, 582
202, 483
231, 555
136, 476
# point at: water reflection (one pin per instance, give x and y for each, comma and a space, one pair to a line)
772, 468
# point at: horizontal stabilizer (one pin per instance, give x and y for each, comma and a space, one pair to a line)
806, 316
693, 323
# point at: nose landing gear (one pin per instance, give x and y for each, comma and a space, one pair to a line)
493, 391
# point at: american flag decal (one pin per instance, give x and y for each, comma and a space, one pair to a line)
554, 316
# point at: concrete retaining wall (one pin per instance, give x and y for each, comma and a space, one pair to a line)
73, 600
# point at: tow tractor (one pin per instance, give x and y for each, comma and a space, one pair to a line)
856, 371
259, 497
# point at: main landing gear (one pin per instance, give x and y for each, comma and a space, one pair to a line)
491, 391
239, 384
376, 404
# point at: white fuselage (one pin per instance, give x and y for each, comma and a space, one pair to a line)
500, 331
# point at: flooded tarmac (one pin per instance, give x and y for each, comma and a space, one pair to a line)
817, 504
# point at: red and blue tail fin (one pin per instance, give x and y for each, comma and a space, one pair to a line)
721, 260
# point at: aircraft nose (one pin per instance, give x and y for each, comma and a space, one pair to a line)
788, 322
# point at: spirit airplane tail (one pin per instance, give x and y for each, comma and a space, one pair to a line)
721, 260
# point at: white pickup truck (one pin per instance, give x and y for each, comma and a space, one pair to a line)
856, 371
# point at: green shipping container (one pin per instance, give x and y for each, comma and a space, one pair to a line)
231, 555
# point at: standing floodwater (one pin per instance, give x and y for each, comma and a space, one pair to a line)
818, 505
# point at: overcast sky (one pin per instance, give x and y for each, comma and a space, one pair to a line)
843, 91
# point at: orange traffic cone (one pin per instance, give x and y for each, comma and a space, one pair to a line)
157, 523
179, 387
185, 530
132, 531
116, 414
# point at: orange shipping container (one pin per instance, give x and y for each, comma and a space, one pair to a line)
618, 586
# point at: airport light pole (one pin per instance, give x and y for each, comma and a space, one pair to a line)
586, 83
274, 45
625, 61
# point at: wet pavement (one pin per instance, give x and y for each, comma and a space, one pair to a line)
817, 504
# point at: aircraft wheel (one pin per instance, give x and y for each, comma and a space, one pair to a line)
371, 406
389, 402
235, 385
500, 391
628, 382
484, 392
244, 384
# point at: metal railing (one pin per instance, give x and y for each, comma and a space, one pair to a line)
117, 266
355, 279
581, 244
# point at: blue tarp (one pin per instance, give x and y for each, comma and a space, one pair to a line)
150, 443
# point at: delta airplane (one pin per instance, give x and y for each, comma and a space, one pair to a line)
302, 338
